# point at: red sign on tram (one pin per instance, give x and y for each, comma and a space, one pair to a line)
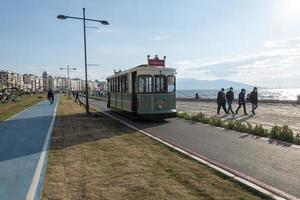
156, 61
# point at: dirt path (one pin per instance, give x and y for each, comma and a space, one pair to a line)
99, 158
267, 114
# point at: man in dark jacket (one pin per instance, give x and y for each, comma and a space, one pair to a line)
221, 101
50, 96
253, 99
76, 96
242, 101
230, 98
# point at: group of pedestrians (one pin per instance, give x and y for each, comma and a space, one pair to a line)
228, 98
50, 96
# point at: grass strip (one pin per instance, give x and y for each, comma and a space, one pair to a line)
9, 109
100, 158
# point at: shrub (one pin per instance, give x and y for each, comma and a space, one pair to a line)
243, 128
260, 131
230, 125
217, 122
249, 127
206, 120
283, 133
198, 117
237, 125
194, 118
184, 115
297, 139
180, 114
187, 117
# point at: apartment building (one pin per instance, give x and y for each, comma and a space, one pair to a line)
6, 79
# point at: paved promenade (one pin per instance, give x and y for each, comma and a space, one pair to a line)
273, 164
22, 140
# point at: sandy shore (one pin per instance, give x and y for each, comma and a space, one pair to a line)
267, 114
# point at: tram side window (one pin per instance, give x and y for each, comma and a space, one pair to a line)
145, 84
108, 85
124, 83
159, 83
171, 84
119, 84
113, 85
121, 78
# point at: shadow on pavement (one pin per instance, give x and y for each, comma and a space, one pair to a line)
68, 131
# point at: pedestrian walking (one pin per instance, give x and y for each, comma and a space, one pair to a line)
242, 101
253, 99
221, 101
197, 96
50, 96
229, 99
76, 96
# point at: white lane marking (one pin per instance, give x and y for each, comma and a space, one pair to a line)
242, 180
37, 174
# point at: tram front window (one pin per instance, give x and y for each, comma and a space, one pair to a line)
145, 84
159, 84
171, 84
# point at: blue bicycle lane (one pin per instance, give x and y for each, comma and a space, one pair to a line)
24, 141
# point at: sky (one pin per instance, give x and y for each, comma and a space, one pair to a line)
251, 41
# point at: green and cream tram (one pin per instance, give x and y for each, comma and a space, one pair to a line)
146, 91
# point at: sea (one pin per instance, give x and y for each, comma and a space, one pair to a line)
263, 94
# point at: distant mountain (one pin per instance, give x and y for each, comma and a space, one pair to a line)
193, 84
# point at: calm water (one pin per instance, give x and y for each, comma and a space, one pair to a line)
273, 94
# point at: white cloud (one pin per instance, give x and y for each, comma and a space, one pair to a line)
160, 37
276, 65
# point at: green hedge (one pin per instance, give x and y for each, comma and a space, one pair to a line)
282, 133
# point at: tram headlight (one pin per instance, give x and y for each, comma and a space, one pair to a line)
160, 104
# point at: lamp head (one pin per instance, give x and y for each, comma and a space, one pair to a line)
61, 17
104, 22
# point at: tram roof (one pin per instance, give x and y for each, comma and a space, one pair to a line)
140, 67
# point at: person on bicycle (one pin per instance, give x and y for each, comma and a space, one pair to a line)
50, 96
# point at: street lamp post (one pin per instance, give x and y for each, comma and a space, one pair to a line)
68, 77
103, 22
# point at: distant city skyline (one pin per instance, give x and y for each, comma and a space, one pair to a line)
253, 41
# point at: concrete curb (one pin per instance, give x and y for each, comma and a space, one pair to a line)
238, 176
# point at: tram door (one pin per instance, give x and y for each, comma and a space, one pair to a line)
134, 92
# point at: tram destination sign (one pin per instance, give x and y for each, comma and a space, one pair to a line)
156, 62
